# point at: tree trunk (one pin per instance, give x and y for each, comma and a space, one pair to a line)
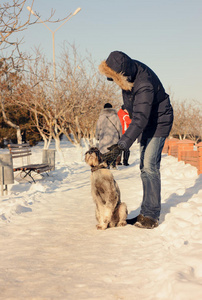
19, 135
11, 124
57, 143
78, 129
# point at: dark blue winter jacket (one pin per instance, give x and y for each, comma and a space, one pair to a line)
143, 95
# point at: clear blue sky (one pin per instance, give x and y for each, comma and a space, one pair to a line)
164, 34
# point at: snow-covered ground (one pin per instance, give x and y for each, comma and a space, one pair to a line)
50, 248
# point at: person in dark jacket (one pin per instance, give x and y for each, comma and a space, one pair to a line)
151, 112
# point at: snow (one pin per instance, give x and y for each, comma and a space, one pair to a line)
51, 249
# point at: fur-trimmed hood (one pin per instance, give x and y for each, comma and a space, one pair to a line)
119, 67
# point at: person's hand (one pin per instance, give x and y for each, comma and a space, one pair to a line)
112, 154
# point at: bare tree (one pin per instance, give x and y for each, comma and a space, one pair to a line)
12, 60
10, 24
187, 120
194, 119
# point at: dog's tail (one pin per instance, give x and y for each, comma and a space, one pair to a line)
131, 221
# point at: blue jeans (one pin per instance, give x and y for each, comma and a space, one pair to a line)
150, 158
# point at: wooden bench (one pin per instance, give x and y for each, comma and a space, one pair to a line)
24, 150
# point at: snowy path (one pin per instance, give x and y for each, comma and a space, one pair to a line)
53, 251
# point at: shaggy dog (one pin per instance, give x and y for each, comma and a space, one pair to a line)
110, 212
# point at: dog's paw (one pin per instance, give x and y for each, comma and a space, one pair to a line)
101, 227
121, 224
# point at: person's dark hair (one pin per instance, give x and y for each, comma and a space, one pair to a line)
123, 107
107, 105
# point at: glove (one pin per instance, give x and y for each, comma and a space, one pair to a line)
112, 155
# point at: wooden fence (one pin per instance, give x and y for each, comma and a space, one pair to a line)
186, 151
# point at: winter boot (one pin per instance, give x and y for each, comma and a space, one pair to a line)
146, 222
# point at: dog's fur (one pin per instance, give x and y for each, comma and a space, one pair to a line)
110, 212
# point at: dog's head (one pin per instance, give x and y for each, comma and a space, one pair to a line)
93, 157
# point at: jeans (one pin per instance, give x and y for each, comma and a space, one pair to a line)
150, 158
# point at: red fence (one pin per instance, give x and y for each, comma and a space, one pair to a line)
186, 151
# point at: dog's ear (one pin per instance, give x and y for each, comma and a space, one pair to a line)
100, 157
